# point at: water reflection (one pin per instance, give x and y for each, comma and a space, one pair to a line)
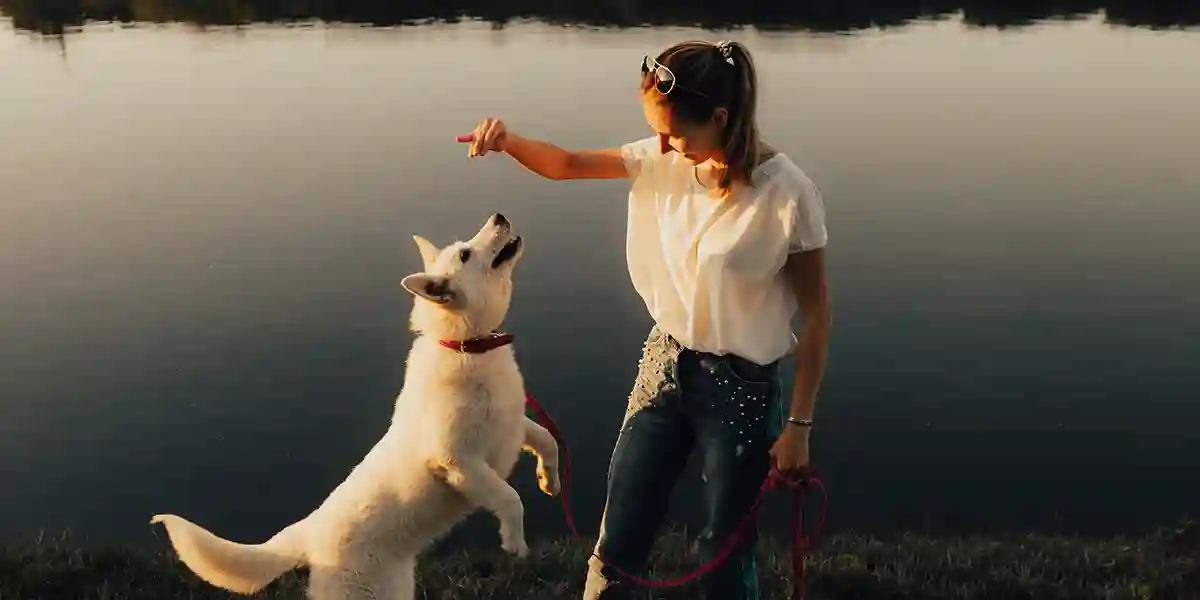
58, 16
199, 244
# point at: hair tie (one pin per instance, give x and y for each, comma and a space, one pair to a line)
725, 47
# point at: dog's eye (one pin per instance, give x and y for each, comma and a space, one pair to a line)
464, 255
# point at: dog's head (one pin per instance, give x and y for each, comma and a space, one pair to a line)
466, 287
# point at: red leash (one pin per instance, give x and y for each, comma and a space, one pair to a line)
801, 543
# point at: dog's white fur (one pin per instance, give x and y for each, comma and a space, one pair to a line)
457, 431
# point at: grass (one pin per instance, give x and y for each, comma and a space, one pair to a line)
1161, 565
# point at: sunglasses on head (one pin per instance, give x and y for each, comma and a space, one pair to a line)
664, 79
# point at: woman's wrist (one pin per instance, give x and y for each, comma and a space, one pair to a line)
805, 423
510, 139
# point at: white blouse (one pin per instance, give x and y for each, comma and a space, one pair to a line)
711, 270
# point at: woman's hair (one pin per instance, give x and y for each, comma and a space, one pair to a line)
705, 81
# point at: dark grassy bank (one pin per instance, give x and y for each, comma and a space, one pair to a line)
1162, 565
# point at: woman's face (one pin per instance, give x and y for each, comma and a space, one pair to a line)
697, 142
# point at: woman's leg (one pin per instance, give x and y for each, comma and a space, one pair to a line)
651, 450
738, 412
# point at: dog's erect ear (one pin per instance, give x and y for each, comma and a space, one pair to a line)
429, 252
433, 288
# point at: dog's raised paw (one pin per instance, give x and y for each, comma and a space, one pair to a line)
549, 483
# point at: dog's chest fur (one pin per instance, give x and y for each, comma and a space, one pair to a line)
470, 404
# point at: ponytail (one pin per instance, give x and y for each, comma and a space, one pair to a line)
741, 140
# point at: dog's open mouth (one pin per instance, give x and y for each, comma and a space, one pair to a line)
508, 252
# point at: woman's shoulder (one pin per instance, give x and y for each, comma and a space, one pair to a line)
640, 155
795, 198
644, 147
782, 180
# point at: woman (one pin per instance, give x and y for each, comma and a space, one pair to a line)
725, 241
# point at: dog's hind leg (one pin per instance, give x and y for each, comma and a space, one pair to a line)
539, 441
401, 584
483, 486
342, 583
326, 583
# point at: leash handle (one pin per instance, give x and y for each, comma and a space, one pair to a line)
801, 542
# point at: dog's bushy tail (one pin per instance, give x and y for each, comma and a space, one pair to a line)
241, 568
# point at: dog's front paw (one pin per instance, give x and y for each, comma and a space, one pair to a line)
548, 482
513, 543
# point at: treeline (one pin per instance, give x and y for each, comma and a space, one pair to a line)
57, 16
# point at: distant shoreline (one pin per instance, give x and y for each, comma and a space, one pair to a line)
60, 17
1160, 565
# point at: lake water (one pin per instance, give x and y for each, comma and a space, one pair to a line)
202, 233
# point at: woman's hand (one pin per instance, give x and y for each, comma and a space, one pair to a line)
490, 135
790, 451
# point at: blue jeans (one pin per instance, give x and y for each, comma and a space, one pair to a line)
729, 409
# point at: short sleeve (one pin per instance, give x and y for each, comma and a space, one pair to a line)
807, 222
638, 154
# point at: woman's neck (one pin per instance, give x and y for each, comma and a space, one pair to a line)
716, 165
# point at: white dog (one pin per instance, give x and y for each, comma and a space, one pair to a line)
458, 429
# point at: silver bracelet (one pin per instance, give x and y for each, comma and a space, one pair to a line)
800, 422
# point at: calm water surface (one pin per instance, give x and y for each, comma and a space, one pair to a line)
202, 234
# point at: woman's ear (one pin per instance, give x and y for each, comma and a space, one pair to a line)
720, 118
